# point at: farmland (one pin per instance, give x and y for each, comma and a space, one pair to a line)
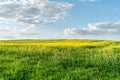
59, 60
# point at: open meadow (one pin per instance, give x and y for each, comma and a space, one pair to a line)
59, 60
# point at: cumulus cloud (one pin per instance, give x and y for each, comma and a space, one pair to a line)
6, 29
15, 33
7, 37
34, 12
103, 28
88, 0
29, 31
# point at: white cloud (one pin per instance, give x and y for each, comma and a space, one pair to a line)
34, 12
23, 15
15, 33
6, 29
6, 37
88, 0
26, 32
103, 28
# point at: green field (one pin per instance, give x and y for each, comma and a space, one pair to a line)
59, 60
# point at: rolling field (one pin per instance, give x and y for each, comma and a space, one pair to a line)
59, 60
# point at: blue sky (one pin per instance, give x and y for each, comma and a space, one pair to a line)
51, 19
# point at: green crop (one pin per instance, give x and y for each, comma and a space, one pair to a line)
59, 60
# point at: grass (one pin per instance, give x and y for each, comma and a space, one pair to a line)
59, 60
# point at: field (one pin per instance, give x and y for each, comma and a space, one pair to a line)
59, 60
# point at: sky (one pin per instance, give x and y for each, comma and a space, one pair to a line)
59, 19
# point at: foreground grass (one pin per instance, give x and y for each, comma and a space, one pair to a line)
59, 60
